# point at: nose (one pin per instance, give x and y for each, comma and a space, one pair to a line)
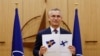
56, 18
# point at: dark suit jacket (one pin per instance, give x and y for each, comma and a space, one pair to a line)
38, 42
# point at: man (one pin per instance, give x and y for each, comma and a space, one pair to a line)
55, 19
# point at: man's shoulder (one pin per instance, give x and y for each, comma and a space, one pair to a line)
64, 31
45, 31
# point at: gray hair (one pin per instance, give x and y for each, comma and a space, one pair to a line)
54, 9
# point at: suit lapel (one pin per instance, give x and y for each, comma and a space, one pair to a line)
61, 31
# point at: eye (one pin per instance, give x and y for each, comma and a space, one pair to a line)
58, 16
53, 16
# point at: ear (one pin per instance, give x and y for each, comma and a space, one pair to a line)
48, 19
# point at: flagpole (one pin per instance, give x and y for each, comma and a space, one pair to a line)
16, 4
76, 5
76, 33
17, 43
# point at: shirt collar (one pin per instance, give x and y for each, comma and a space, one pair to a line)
52, 29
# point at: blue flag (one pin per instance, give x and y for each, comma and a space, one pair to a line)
17, 45
76, 35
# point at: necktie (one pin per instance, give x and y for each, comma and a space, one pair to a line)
55, 30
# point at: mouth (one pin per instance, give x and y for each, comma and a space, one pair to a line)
55, 22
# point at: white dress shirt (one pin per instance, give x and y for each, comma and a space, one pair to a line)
52, 30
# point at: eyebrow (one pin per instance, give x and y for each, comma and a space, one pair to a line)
56, 15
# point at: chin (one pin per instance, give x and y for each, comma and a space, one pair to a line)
56, 25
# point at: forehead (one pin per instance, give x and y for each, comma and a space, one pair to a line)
54, 13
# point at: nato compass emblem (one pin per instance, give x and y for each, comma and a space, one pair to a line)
63, 43
17, 53
50, 43
79, 55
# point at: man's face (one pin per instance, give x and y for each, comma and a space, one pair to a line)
55, 18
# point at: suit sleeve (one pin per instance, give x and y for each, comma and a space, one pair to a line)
37, 45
